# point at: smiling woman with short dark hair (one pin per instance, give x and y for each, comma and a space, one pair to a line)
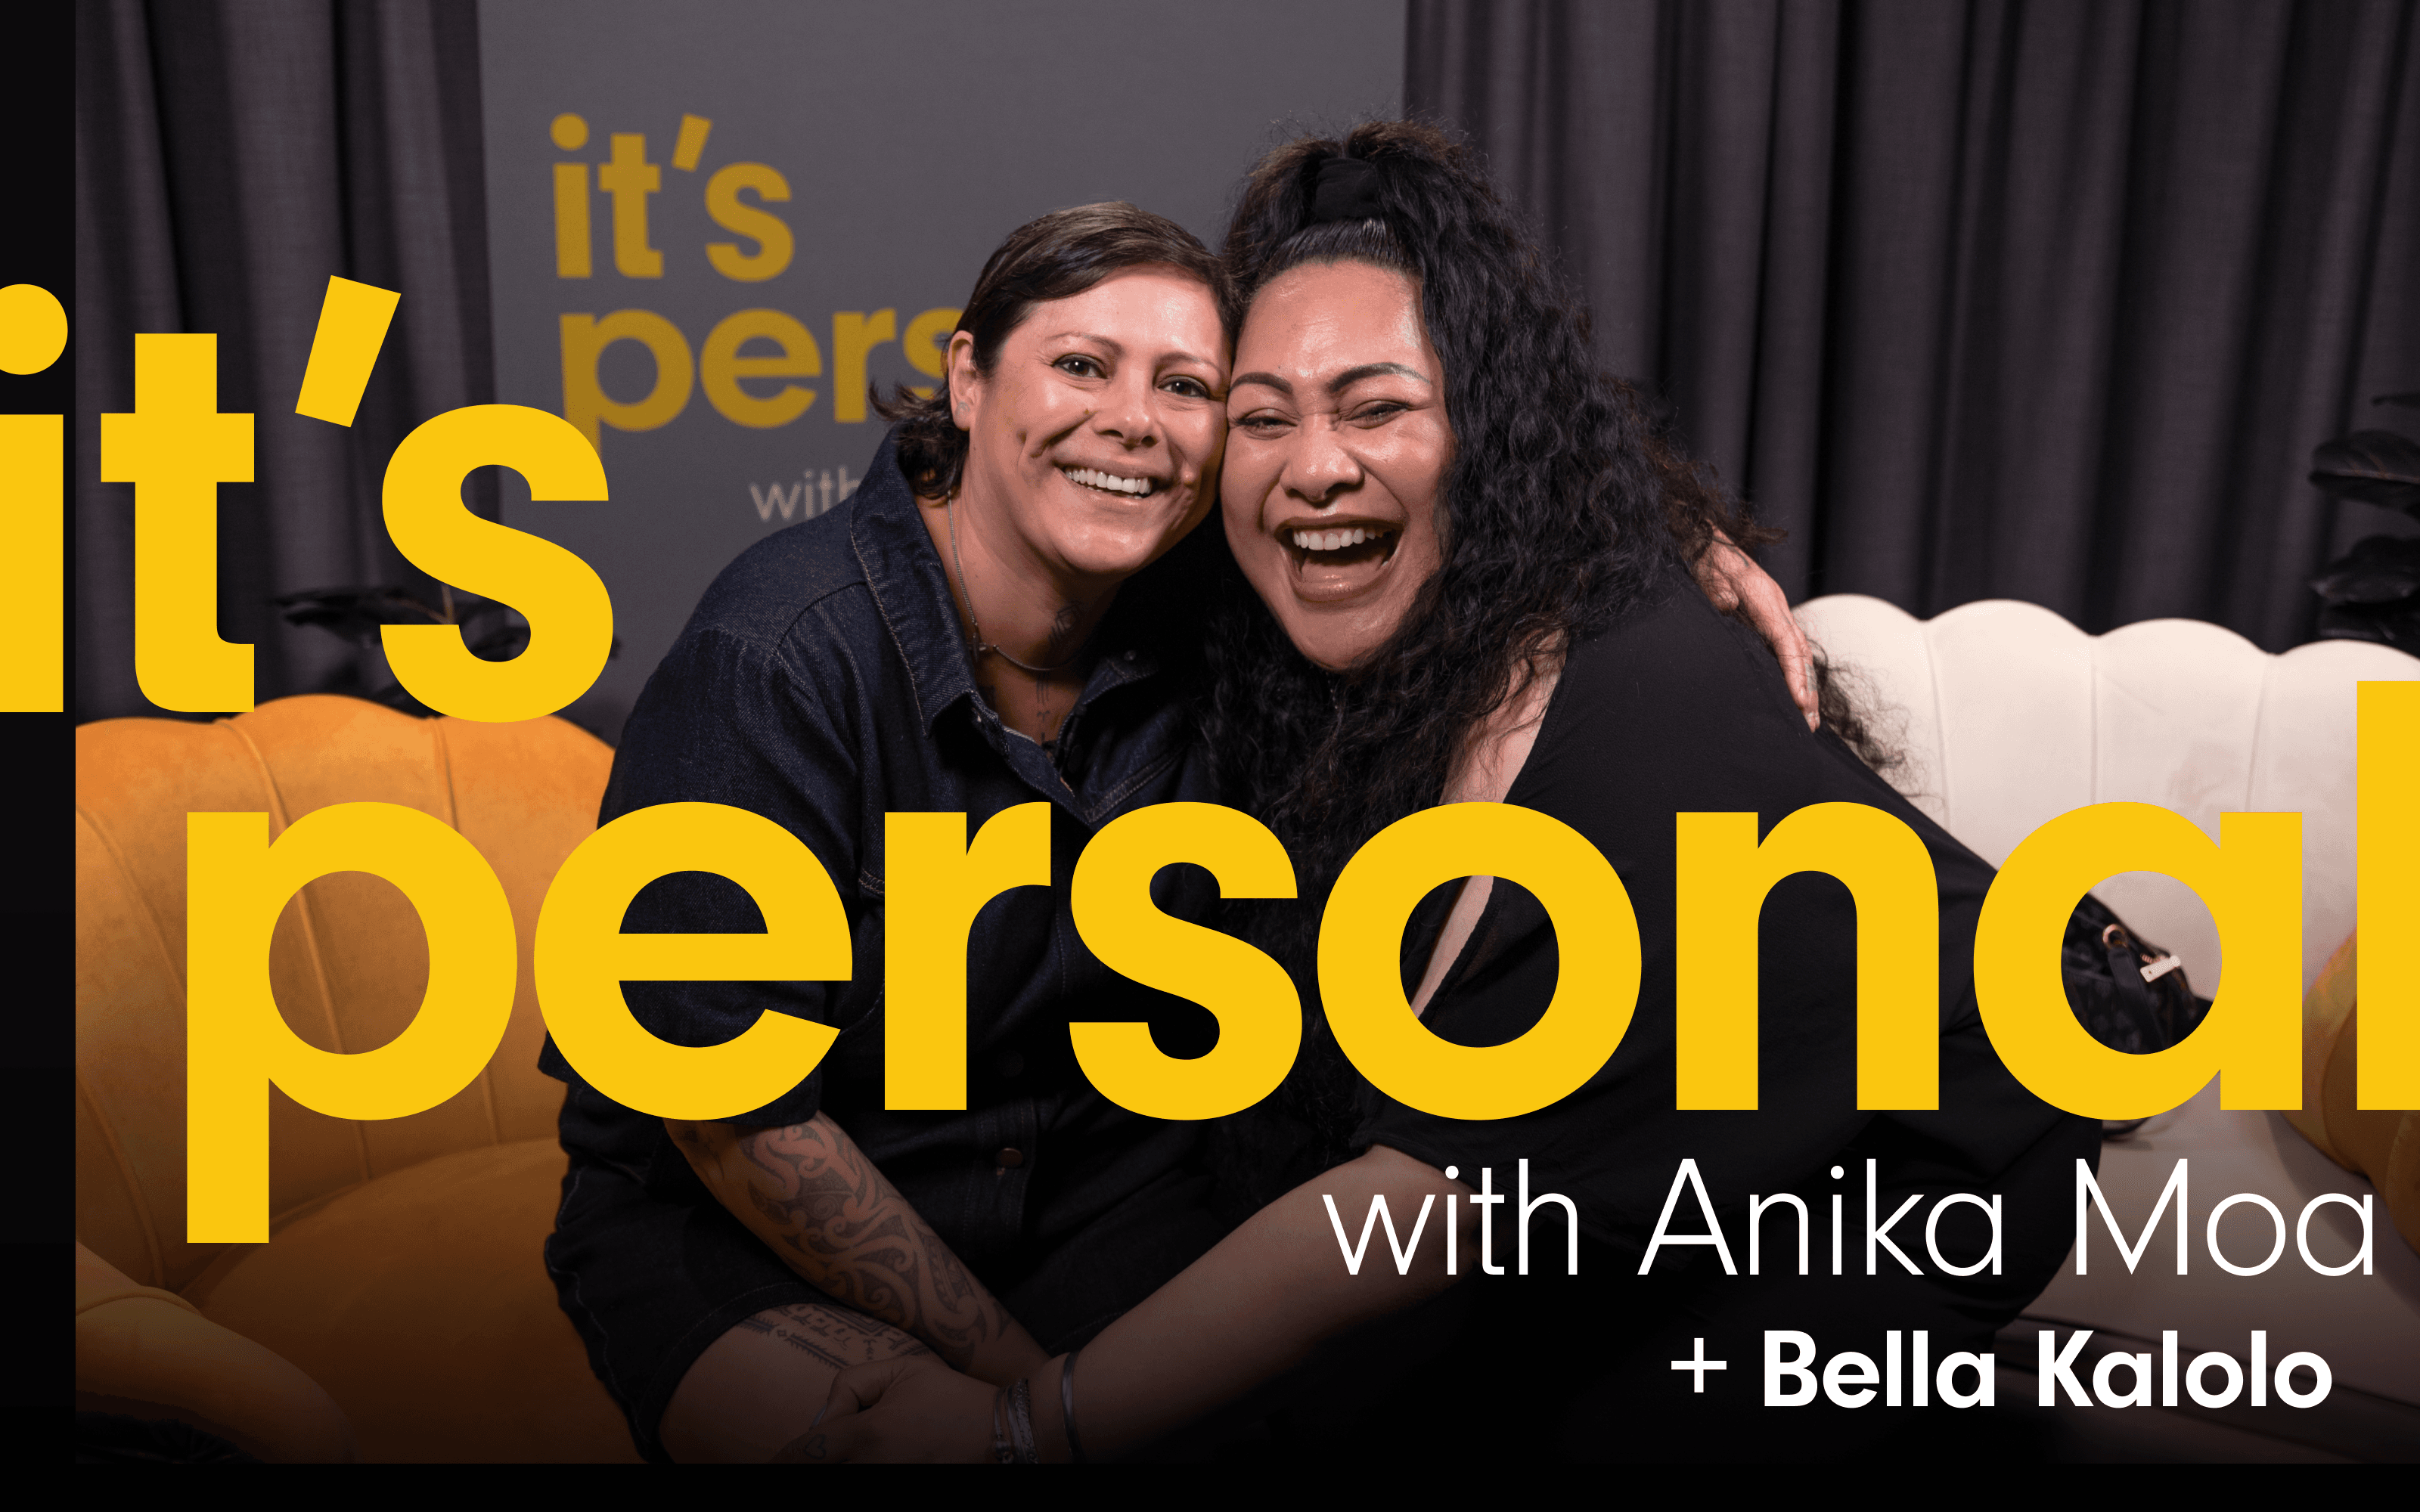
952, 638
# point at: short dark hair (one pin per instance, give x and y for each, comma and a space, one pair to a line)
1053, 256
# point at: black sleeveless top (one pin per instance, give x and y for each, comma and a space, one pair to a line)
1679, 709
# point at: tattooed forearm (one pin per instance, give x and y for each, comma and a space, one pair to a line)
811, 1194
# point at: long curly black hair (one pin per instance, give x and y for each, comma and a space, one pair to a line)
1564, 506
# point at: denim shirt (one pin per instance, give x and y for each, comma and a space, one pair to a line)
823, 683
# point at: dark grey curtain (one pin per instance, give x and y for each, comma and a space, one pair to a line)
230, 156
2045, 301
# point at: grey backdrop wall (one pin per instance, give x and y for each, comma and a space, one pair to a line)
2046, 300
908, 140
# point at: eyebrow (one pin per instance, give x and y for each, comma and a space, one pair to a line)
1119, 348
1338, 384
1369, 370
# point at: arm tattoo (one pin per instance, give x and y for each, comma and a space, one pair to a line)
838, 1337
810, 1193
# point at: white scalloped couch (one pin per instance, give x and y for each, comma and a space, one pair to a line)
2010, 716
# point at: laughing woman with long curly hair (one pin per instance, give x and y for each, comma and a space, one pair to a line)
1456, 580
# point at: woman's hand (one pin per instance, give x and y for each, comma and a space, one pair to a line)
1732, 580
910, 1410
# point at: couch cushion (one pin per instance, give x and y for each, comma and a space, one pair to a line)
146, 1353
2009, 716
421, 1300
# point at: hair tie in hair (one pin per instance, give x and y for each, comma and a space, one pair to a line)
1346, 188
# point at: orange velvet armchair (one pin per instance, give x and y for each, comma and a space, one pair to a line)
402, 1310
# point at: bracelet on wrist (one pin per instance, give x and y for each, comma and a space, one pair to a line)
1020, 1423
1002, 1450
1067, 1408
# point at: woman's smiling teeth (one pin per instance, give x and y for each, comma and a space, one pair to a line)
1335, 540
1338, 563
1109, 482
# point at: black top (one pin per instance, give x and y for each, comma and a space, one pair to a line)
1677, 709
823, 683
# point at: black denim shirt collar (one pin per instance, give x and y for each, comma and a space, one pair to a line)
911, 591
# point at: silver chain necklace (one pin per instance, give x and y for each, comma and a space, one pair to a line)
950, 513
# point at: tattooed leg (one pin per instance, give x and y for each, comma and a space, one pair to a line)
758, 1387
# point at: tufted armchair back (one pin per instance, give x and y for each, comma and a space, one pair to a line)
348, 963
2009, 716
